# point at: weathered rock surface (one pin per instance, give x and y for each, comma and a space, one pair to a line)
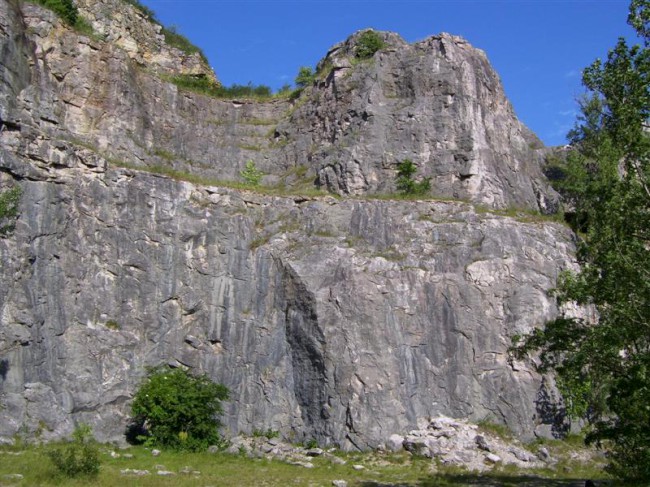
437, 102
345, 321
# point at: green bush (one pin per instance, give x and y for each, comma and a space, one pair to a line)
79, 457
177, 410
9, 201
406, 184
251, 175
305, 77
368, 43
63, 8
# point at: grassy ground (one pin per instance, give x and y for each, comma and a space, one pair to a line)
234, 470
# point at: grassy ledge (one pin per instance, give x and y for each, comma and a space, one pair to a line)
204, 86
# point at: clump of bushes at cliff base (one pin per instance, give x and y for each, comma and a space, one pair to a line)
175, 409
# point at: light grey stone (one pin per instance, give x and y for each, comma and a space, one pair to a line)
132, 471
13, 476
492, 458
395, 442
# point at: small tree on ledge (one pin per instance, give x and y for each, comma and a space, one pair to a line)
251, 175
406, 184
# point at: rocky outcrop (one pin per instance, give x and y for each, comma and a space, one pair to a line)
342, 320
120, 23
437, 102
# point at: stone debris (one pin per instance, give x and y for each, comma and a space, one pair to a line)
339, 483
12, 476
155, 453
457, 442
133, 471
165, 473
276, 449
358, 467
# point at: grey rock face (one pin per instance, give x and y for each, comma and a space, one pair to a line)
344, 321
437, 102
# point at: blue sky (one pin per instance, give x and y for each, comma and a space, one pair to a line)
538, 47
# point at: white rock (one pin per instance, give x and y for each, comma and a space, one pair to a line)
165, 473
132, 471
358, 467
339, 483
15, 476
395, 442
492, 458
155, 453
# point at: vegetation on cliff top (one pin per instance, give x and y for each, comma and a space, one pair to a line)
69, 13
173, 38
603, 367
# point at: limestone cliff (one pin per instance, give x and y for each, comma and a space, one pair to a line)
344, 320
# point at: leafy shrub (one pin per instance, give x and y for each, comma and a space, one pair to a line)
406, 184
112, 325
78, 457
368, 43
9, 201
251, 175
63, 8
178, 410
305, 77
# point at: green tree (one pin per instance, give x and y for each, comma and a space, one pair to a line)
251, 175
603, 368
368, 43
305, 77
178, 410
405, 181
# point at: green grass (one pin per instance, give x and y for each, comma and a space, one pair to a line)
227, 470
204, 86
204, 181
